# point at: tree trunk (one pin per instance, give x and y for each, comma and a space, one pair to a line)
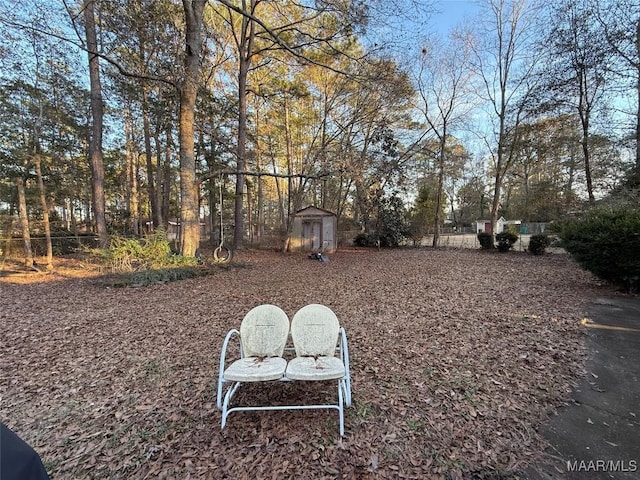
214, 210
95, 137
45, 210
245, 48
189, 210
497, 190
495, 205
166, 177
8, 229
586, 151
238, 216
438, 217
587, 169
502, 164
260, 193
250, 209
135, 195
324, 192
132, 174
157, 195
146, 127
289, 155
281, 212
24, 223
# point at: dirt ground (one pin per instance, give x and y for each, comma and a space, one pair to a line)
457, 357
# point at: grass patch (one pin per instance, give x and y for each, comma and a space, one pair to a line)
415, 425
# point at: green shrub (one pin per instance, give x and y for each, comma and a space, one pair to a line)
486, 240
606, 241
506, 240
152, 252
366, 240
393, 225
538, 244
124, 254
156, 248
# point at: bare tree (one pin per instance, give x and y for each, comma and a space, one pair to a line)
444, 81
578, 76
505, 62
620, 20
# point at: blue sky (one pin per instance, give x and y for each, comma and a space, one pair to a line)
400, 26
452, 12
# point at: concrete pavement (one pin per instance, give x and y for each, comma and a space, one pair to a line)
597, 436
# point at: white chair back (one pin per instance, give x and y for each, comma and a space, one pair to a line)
264, 331
314, 330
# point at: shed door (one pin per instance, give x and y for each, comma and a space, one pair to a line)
487, 227
311, 231
327, 233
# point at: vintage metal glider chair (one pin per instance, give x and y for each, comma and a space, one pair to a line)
263, 335
317, 337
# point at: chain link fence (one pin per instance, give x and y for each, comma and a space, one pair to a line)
62, 245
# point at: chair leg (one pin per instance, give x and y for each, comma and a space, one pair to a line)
219, 392
227, 400
341, 409
344, 397
346, 388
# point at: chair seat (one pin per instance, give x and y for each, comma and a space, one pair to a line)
312, 368
255, 369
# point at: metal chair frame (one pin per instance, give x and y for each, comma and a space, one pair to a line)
225, 397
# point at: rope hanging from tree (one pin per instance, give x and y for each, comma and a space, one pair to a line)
222, 253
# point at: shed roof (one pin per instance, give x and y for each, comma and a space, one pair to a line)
517, 222
315, 211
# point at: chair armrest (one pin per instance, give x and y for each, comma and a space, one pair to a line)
344, 356
344, 348
223, 358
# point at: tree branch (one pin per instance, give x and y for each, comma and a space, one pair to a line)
301, 176
122, 70
274, 35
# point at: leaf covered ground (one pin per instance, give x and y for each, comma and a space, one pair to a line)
457, 356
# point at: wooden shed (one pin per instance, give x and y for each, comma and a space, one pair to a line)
485, 225
314, 229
